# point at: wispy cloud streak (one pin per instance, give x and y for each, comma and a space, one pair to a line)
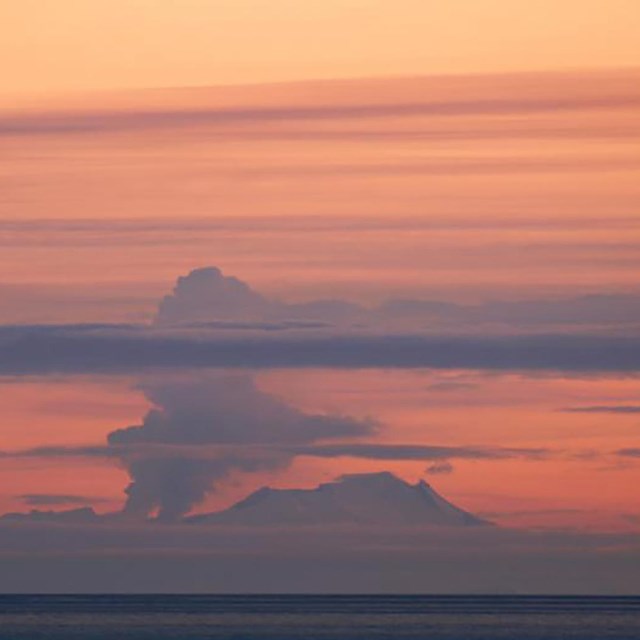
622, 409
110, 121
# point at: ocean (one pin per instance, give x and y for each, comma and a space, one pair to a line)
309, 617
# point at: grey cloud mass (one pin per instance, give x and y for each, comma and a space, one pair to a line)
212, 320
202, 430
205, 426
29, 350
213, 410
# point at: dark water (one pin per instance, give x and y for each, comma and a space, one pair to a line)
310, 617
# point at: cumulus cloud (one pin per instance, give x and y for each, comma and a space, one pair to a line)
206, 295
207, 298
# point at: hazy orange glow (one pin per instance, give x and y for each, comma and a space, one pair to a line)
488, 151
57, 45
581, 483
494, 193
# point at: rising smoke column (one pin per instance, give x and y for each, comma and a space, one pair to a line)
225, 413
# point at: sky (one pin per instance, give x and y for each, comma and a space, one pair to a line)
248, 243
67, 45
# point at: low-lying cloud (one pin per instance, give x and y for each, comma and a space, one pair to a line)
57, 499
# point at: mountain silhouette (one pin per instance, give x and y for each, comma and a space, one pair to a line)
366, 499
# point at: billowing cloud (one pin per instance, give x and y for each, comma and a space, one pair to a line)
206, 294
203, 428
229, 409
223, 409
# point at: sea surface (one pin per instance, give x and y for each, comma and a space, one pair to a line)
198, 617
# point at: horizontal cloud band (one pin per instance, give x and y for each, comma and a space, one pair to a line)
116, 120
366, 451
45, 349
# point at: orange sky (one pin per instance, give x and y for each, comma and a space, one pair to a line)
67, 45
486, 190
489, 150
510, 410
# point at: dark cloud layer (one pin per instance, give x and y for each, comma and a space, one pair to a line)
26, 350
212, 320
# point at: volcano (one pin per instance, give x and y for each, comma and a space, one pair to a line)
359, 499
